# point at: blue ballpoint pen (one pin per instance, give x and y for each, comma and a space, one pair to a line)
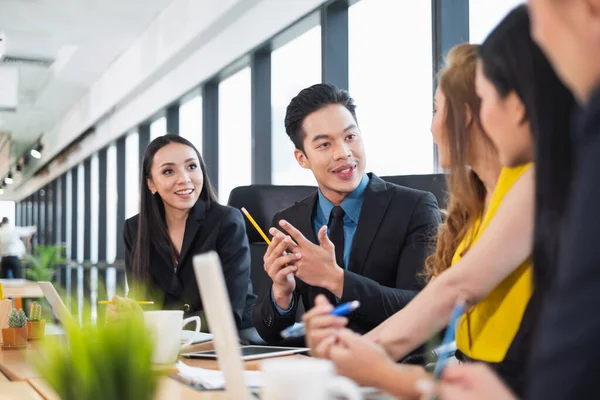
449, 337
297, 330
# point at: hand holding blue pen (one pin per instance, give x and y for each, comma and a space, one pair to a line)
297, 330
449, 337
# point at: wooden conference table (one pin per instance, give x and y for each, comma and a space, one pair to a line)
19, 380
17, 289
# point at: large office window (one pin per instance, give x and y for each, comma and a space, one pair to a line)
158, 128
294, 66
111, 204
235, 133
69, 215
132, 192
95, 204
190, 121
390, 67
80, 185
7, 209
484, 15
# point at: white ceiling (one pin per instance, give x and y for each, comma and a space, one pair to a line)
85, 37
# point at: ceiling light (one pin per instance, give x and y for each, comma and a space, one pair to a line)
35, 154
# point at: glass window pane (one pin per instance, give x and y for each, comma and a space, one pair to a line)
59, 211
132, 195
288, 77
158, 128
391, 82
484, 15
69, 214
190, 121
7, 209
111, 204
235, 147
95, 202
80, 211
41, 225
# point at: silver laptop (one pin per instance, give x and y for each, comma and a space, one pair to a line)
58, 306
217, 307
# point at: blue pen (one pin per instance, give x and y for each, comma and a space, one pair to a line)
458, 310
297, 330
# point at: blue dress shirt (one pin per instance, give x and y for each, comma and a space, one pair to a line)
351, 205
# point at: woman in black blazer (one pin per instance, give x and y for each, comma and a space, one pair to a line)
179, 218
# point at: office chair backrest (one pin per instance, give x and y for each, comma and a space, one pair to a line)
263, 202
434, 183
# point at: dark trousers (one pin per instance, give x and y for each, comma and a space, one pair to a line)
11, 263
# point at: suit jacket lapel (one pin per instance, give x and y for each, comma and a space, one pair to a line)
377, 200
164, 275
305, 224
304, 221
192, 227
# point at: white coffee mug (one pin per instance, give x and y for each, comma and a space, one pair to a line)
165, 327
310, 378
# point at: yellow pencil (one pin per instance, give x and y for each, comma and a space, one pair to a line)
139, 302
253, 222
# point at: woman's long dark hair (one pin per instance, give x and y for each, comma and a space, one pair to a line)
152, 227
512, 61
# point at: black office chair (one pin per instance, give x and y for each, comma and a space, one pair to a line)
434, 183
263, 202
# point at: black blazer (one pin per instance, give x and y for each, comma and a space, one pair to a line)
392, 239
564, 363
215, 227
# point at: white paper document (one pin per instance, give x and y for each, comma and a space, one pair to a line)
211, 379
199, 337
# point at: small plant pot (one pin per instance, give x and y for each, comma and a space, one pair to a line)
14, 338
36, 330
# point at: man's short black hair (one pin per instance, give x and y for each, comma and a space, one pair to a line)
4, 220
310, 100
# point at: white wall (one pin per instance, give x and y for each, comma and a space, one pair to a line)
190, 42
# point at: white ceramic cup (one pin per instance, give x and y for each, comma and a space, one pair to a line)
310, 378
165, 326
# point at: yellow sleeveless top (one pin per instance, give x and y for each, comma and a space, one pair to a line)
486, 331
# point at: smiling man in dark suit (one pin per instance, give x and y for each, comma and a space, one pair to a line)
356, 238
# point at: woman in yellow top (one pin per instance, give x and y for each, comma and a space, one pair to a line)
493, 254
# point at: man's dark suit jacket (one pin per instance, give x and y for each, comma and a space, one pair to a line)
215, 227
392, 239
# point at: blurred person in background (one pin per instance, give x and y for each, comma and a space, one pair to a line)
12, 248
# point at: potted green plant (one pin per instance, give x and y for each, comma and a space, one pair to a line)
36, 326
15, 336
42, 263
106, 361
